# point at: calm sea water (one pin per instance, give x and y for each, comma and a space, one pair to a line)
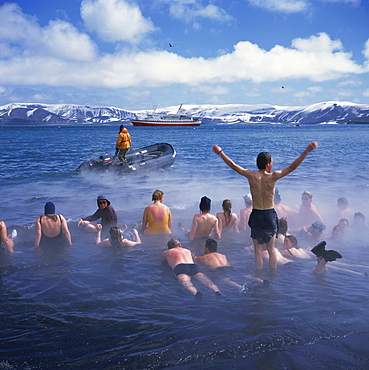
88, 308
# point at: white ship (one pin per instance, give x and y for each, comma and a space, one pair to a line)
164, 119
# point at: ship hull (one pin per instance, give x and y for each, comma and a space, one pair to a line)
165, 123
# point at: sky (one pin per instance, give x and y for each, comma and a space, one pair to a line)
137, 54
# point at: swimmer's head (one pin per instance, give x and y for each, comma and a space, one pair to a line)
121, 127
317, 226
49, 208
205, 204
248, 200
227, 205
101, 199
359, 218
282, 225
290, 242
306, 195
115, 236
342, 203
157, 195
211, 245
174, 242
343, 223
337, 232
263, 159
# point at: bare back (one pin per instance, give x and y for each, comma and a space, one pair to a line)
177, 255
158, 211
262, 182
213, 260
262, 186
50, 226
202, 225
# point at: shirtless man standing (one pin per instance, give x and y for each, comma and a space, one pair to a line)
181, 262
204, 223
263, 219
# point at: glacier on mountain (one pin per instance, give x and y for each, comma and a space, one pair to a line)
325, 112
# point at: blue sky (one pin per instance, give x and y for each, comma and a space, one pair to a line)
118, 53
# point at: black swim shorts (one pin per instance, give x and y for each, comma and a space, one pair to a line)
263, 224
186, 268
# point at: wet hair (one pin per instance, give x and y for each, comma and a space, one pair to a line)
343, 201
262, 160
174, 242
282, 225
292, 239
211, 244
308, 194
227, 207
115, 236
157, 195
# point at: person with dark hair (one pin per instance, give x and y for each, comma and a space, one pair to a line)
226, 219
122, 144
263, 219
105, 212
118, 238
345, 229
291, 248
204, 223
360, 230
343, 208
157, 218
51, 229
181, 261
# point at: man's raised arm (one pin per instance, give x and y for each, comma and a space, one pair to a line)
218, 150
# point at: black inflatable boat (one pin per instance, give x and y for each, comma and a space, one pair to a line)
146, 159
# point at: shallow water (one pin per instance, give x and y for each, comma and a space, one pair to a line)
90, 308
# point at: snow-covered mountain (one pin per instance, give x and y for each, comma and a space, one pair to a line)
326, 112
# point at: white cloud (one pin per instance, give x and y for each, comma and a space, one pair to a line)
366, 50
63, 40
353, 2
21, 35
294, 6
18, 31
317, 58
366, 93
285, 6
115, 20
315, 89
213, 89
192, 10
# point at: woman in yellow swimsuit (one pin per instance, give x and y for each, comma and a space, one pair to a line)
157, 218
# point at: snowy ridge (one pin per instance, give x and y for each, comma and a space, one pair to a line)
325, 112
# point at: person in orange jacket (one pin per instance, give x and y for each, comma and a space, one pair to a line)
123, 143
